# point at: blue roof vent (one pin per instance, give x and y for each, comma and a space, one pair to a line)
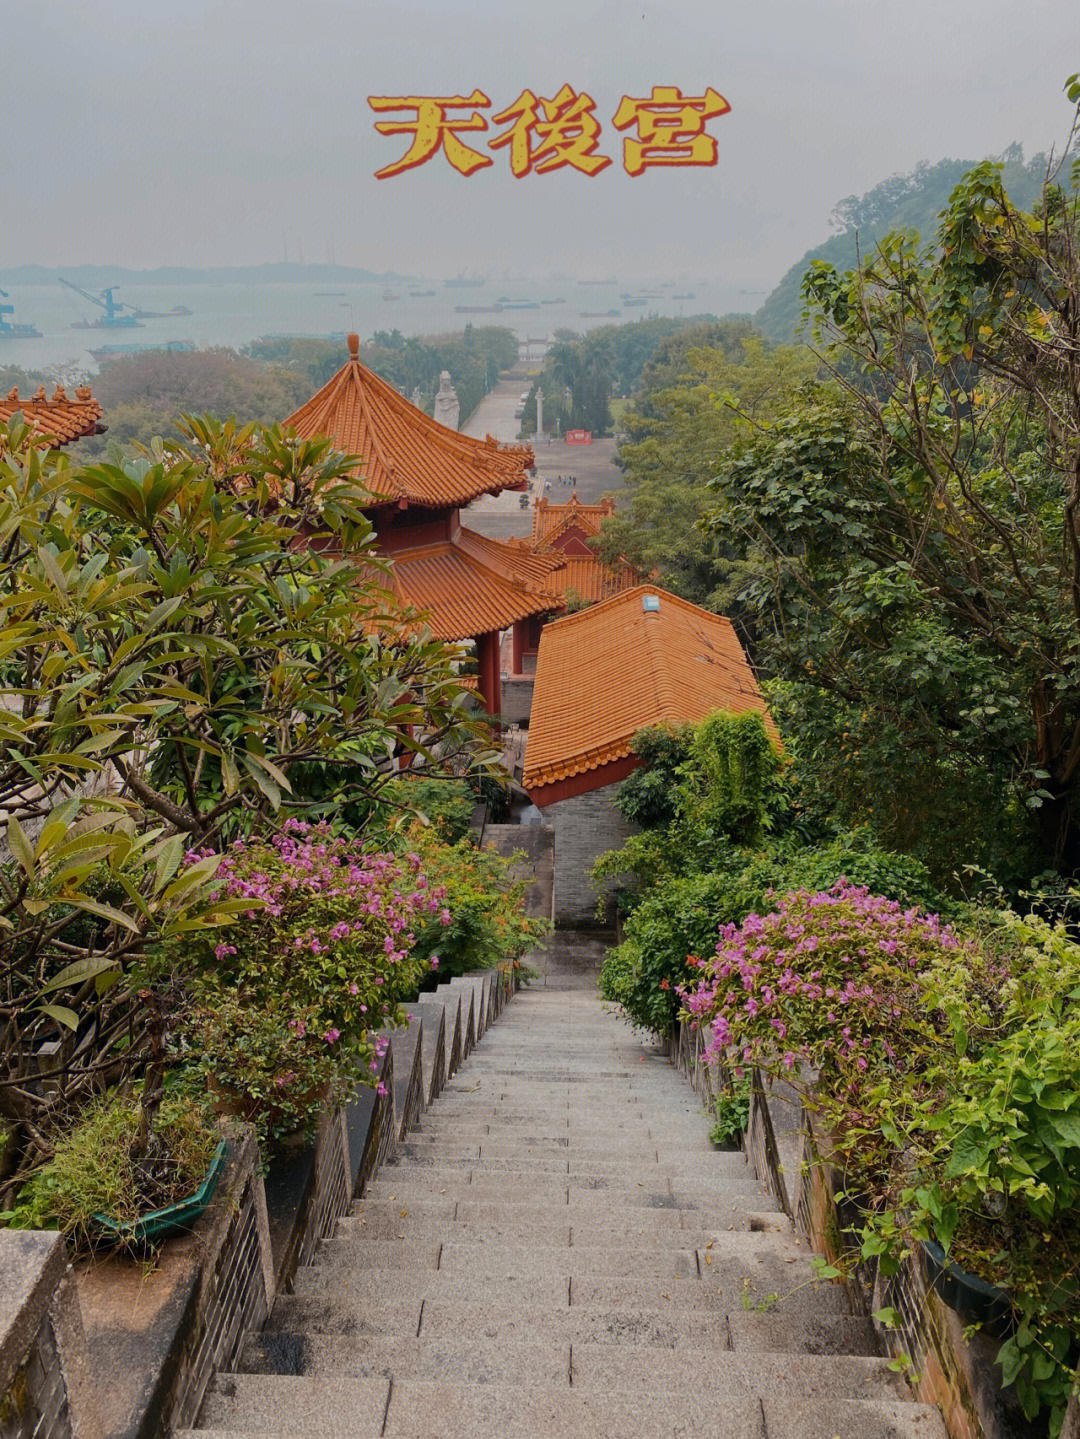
650, 604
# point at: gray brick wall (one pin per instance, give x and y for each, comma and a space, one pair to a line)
586, 827
516, 700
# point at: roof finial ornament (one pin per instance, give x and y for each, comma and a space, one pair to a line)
353, 342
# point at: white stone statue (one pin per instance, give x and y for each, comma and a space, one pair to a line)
447, 406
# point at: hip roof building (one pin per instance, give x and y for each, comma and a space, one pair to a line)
643, 658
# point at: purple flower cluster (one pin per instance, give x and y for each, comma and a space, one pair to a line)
326, 950
828, 979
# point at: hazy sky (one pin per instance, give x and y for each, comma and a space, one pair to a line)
221, 131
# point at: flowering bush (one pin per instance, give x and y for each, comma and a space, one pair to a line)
947, 1074
828, 980
679, 914
285, 1007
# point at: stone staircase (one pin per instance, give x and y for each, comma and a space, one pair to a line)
558, 1251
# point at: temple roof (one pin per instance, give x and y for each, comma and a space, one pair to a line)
552, 520
407, 457
469, 584
588, 578
609, 671
55, 417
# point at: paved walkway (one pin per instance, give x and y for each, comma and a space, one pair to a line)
501, 516
559, 1252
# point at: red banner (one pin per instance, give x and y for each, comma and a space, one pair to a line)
579, 437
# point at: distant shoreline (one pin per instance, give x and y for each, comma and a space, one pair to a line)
282, 273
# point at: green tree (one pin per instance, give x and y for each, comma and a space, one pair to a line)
916, 539
682, 425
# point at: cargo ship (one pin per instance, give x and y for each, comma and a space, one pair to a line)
176, 312
459, 282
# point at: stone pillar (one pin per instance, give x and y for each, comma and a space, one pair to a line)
539, 412
520, 640
447, 406
487, 654
417, 398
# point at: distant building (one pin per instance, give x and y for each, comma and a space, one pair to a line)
56, 417
645, 657
569, 534
419, 473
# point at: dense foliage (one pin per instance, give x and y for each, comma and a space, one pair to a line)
142, 396
169, 657
909, 201
683, 423
913, 531
282, 1009
720, 836
484, 923
944, 1071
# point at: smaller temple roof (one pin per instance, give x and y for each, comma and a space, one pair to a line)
552, 520
644, 657
55, 417
590, 580
407, 457
468, 584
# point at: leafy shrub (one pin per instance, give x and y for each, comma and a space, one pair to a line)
947, 1074
447, 804
648, 796
483, 921
320, 955
826, 980
93, 1169
732, 1110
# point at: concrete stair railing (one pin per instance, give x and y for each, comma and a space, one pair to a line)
557, 1252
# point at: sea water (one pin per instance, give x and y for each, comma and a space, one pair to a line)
234, 315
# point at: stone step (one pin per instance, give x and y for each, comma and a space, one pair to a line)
344, 1257
334, 1406
595, 1366
463, 1357
664, 1328
526, 1224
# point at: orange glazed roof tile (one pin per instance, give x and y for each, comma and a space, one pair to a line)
407, 457
469, 584
609, 671
56, 417
550, 521
590, 579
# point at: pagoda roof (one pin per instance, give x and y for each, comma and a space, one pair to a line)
468, 584
56, 417
407, 458
609, 671
552, 520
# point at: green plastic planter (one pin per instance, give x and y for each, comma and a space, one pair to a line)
161, 1222
975, 1301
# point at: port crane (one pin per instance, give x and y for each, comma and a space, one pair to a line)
112, 318
9, 330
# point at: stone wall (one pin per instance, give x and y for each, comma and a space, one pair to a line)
516, 705
586, 826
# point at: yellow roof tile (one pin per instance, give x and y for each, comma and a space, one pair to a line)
605, 673
407, 457
55, 417
469, 584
